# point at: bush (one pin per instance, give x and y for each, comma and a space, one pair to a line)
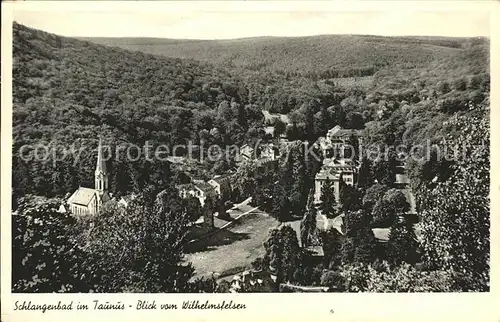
333, 280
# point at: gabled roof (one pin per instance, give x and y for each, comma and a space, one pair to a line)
316, 250
246, 146
283, 117
185, 186
343, 163
83, 196
327, 174
268, 147
246, 153
221, 178
339, 131
269, 130
128, 198
205, 187
381, 234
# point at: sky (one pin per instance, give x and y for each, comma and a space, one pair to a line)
207, 22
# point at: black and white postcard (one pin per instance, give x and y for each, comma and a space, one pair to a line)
169, 160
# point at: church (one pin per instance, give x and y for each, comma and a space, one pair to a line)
88, 201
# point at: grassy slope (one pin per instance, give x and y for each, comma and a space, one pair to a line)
309, 53
234, 248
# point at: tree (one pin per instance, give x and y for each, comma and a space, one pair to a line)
331, 241
443, 87
44, 258
309, 133
293, 132
347, 249
313, 158
474, 82
241, 115
460, 84
355, 221
329, 201
365, 176
203, 285
356, 276
333, 280
212, 204
220, 207
308, 229
359, 245
300, 185
355, 120
324, 120
279, 128
373, 194
402, 245
193, 208
397, 200
383, 214
386, 210
365, 246
350, 197
455, 222
404, 278
384, 168
283, 253
290, 194
140, 248
281, 205
224, 111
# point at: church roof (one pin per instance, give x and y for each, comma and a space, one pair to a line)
83, 196
101, 164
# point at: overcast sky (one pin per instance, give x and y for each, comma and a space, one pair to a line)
206, 22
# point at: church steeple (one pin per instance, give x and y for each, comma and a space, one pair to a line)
101, 174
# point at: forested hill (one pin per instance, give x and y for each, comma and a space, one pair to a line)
68, 92
72, 91
329, 55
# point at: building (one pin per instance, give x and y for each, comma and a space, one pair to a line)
271, 118
89, 201
269, 130
346, 167
221, 184
323, 176
340, 160
199, 189
269, 151
339, 143
334, 171
202, 191
251, 281
246, 152
125, 200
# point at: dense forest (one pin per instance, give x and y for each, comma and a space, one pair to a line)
323, 56
399, 91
